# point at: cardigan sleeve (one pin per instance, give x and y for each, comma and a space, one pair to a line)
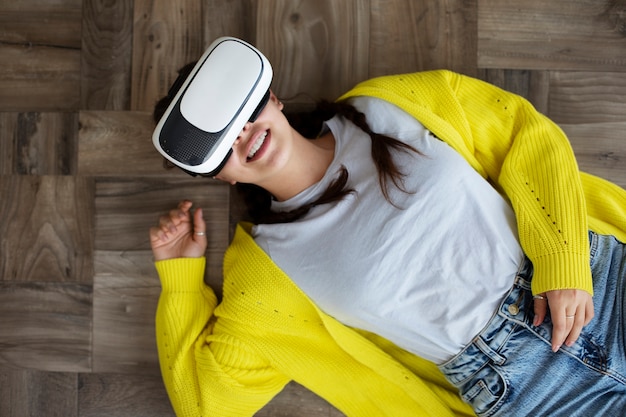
531, 160
206, 371
521, 152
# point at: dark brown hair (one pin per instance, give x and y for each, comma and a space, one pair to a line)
309, 124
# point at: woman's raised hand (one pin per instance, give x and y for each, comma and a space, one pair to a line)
179, 234
570, 311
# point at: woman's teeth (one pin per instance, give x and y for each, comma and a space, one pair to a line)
257, 145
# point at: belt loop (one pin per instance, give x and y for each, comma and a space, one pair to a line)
492, 354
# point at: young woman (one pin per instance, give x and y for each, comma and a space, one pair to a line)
435, 246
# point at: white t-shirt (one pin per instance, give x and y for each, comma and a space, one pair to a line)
427, 274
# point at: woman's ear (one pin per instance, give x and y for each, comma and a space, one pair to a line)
276, 100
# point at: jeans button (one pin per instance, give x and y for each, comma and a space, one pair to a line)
513, 309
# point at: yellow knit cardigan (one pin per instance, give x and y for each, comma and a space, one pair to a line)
230, 359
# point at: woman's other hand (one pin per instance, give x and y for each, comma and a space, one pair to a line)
570, 311
179, 234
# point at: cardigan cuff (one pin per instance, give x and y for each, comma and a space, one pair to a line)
182, 274
561, 271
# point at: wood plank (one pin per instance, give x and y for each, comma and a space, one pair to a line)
106, 54
600, 149
46, 228
41, 22
46, 326
115, 395
228, 18
167, 34
127, 208
125, 296
8, 142
39, 78
557, 34
318, 49
410, 36
295, 400
587, 97
44, 143
119, 143
33, 393
532, 85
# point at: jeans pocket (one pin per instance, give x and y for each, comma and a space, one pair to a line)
485, 391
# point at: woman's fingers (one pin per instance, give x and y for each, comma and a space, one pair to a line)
570, 311
540, 306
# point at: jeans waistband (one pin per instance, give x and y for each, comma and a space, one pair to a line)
515, 310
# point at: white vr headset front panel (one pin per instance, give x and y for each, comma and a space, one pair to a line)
217, 99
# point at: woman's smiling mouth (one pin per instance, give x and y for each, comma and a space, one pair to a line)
257, 145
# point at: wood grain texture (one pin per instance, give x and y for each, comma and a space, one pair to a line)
532, 85
317, 49
46, 144
39, 78
116, 143
47, 229
423, 35
600, 149
107, 29
52, 23
8, 142
115, 395
35, 393
167, 34
229, 18
127, 208
125, 301
45, 326
557, 34
587, 97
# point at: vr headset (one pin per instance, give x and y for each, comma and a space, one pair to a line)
227, 88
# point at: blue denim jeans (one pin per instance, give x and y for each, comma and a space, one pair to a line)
509, 368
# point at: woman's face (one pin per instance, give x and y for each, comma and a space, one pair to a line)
262, 148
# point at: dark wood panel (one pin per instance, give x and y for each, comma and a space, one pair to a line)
557, 34
114, 395
47, 229
167, 35
229, 18
532, 85
45, 326
44, 143
317, 49
126, 209
33, 393
125, 301
106, 54
8, 142
40, 22
295, 400
410, 36
39, 78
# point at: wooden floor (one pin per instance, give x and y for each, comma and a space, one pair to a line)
80, 183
